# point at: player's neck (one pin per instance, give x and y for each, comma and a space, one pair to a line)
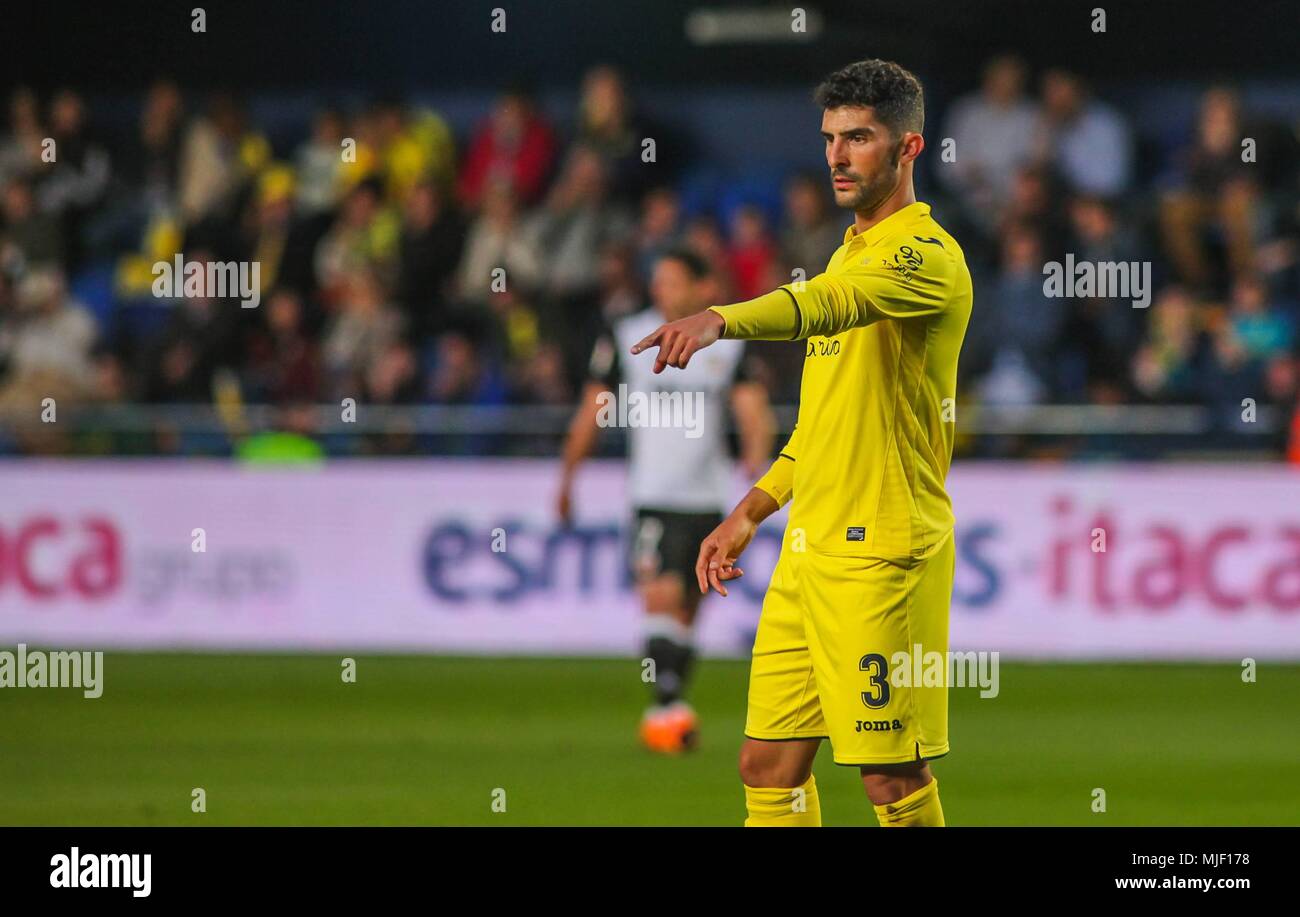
904, 196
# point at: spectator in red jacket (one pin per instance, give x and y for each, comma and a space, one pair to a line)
751, 251
514, 146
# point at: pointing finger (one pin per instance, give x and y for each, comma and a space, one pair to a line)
649, 340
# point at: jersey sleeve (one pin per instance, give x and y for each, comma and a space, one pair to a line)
778, 482
771, 317
901, 281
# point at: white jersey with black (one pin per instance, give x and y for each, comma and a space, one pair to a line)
676, 421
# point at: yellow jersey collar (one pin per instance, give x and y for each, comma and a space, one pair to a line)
881, 230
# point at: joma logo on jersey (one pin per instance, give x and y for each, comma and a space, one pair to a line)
878, 725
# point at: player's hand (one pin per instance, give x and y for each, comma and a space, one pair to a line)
720, 551
678, 340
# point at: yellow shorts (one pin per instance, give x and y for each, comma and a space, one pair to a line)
827, 651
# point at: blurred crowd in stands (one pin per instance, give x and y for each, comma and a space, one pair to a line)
401, 264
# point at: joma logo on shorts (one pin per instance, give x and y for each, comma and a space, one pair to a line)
878, 725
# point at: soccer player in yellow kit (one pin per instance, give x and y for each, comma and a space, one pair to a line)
864, 580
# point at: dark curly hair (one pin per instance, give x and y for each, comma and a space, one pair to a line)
893, 92
696, 266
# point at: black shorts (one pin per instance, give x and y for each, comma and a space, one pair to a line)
664, 541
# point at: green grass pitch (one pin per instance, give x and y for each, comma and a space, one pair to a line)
281, 740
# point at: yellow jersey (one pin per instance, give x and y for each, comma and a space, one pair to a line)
884, 324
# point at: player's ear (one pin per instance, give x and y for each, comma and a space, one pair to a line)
912, 145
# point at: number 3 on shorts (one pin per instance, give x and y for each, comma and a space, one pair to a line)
878, 668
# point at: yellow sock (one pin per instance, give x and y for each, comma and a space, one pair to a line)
920, 810
784, 807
